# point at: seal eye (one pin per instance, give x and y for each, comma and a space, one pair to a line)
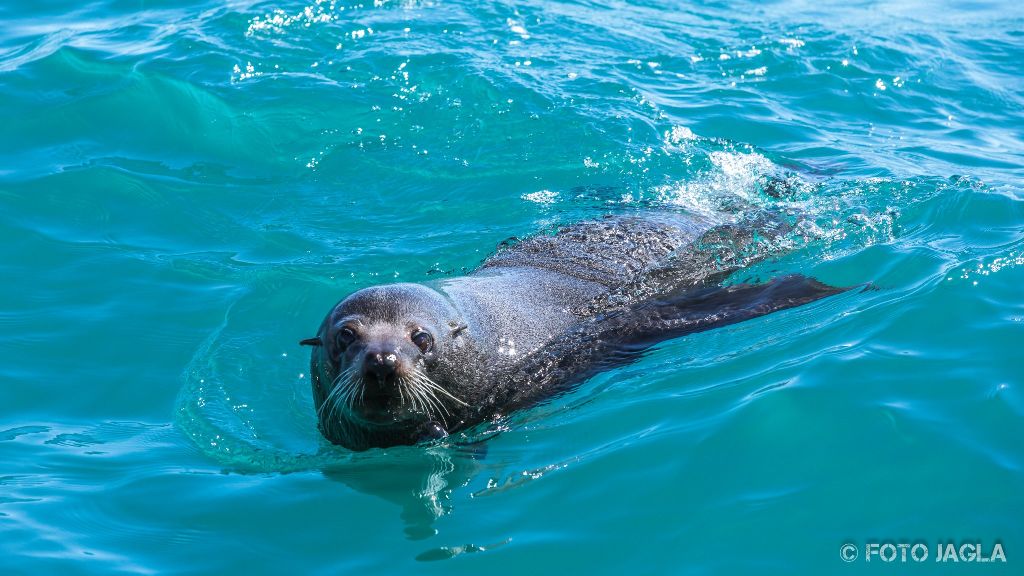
423, 340
344, 338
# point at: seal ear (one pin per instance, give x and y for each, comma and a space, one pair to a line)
311, 342
456, 330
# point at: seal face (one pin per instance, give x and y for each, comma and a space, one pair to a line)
400, 363
372, 370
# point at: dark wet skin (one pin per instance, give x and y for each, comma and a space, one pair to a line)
404, 363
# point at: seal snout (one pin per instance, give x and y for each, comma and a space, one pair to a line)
380, 365
381, 371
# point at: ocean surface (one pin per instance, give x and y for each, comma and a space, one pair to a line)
187, 187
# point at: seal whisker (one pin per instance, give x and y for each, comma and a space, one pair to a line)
424, 387
402, 384
429, 393
352, 384
430, 390
326, 402
357, 392
336, 387
435, 401
425, 404
346, 389
401, 391
349, 398
428, 405
441, 412
342, 385
434, 386
423, 401
430, 402
414, 396
427, 387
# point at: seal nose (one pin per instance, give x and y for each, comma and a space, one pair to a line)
380, 364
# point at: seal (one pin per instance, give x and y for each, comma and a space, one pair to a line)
402, 363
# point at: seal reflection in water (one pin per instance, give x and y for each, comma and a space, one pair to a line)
401, 363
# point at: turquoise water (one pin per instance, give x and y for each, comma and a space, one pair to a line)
187, 187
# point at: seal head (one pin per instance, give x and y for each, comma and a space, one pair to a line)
379, 368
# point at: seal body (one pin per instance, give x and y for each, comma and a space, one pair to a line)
399, 363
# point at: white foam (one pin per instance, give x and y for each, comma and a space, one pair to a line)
541, 197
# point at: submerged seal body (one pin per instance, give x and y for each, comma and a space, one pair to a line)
399, 363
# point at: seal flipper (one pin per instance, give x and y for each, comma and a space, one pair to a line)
703, 309
620, 337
